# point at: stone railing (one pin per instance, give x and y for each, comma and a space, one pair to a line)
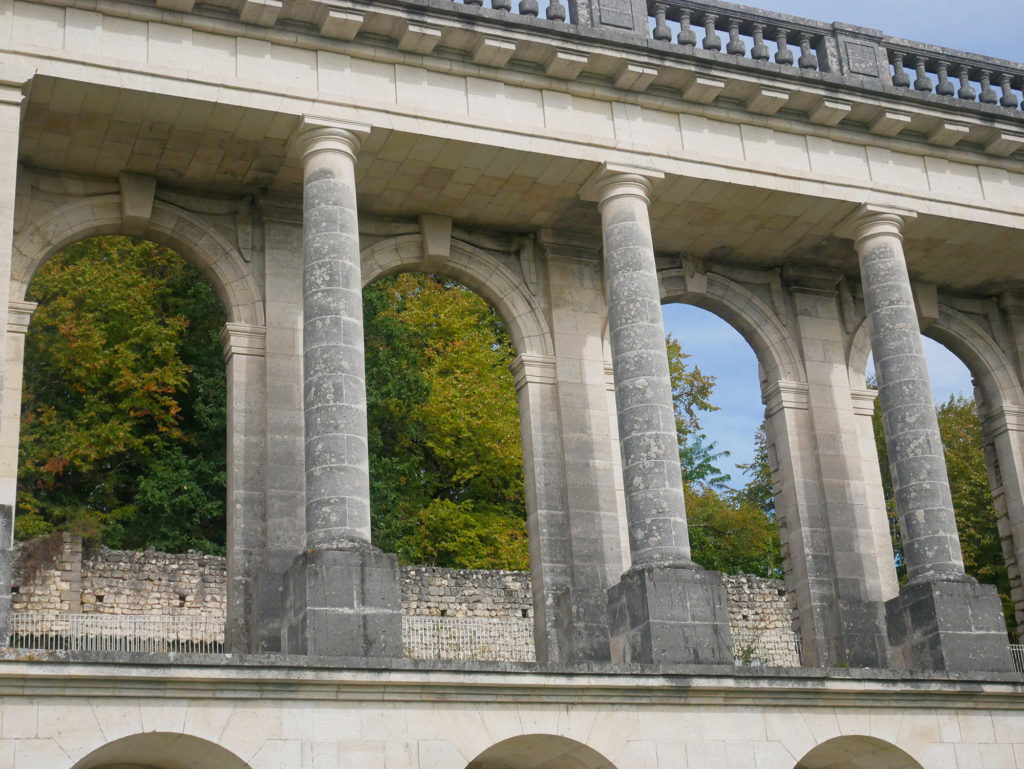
865, 58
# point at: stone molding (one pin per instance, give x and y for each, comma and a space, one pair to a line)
612, 180
318, 134
863, 401
873, 220
243, 339
19, 315
1005, 419
785, 395
533, 369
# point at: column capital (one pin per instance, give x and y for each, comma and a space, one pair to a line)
19, 315
871, 219
613, 180
323, 134
243, 339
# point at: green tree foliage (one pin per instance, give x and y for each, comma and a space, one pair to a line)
963, 446
730, 530
691, 395
123, 409
446, 482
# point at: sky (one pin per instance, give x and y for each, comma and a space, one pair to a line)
715, 346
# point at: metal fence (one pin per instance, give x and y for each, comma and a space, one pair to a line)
1017, 650
468, 638
117, 633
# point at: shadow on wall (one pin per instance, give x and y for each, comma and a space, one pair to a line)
161, 750
540, 751
857, 752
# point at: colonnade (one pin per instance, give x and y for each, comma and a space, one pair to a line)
339, 595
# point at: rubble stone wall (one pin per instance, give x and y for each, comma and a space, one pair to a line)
102, 581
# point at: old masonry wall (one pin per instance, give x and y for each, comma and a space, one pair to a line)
67, 578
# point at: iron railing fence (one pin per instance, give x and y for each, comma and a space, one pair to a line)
117, 633
469, 638
1017, 650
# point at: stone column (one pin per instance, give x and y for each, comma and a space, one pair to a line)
11, 97
928, 624
244, 356
342, 595
666, 609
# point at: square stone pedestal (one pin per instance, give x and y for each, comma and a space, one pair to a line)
343, 603
667, 615
949, 626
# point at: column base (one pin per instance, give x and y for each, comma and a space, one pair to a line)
669, 616
343, 603
948, 626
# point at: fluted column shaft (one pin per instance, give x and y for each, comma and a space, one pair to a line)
655, 509
930, 541
334, 380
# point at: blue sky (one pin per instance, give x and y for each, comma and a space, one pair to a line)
719, 350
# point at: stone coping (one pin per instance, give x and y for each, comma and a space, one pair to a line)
280, 676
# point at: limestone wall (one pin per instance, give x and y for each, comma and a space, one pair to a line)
103, 581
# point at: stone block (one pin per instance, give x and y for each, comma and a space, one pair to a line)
342, 603
956, 626
670, 615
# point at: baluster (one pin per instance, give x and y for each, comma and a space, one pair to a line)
944, 87
686, 35
988, 95
735, 46
923, 82
760, 50
528, 8
501, 5
473, 2
661, 30
711, 41
556, 11
900, 78
966, 91
807, 59
1009, 97
783, 55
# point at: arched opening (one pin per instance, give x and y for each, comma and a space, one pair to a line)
730, 497
161, 750
123, 424
500, 300
242, 339
540, 751
857, 752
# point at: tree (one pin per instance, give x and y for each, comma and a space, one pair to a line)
730, 530
691, 395
445, 453
123, 409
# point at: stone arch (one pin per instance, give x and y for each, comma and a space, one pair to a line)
755, 321
857, 752
161, 750
210, 252
540, 751
477, 270
244, 347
